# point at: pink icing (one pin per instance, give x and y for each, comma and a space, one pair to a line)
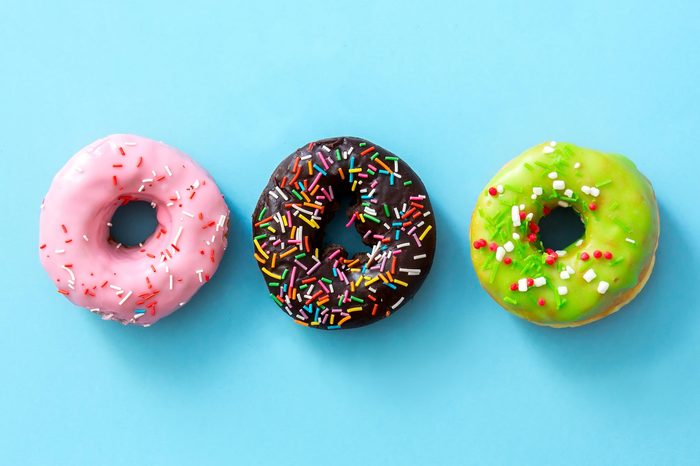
134, 285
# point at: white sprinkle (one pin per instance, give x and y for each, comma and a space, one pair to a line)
279, 190
509, 246
529, 216
516, 236
199, 274
60, 251
564, 275
147, 180
499, 189
515, 216
553, 143
595, 191
568, 193
125, 297
560, 253
540, 281
500, 253
579, 242
142, 188
195, 185
419, 256
115, 287
570, 270
85, 238
586, 189
558, 185
603, 286
188, 214
70, 272
177, 236
522, 284
577, 165
119, 245
533, 197
630, 240
563, 204
548, 149
167, 170
397, 303
537, 190
177, 194
553, 175
522, 206
171, 281
109, 224
589, 275
562, 290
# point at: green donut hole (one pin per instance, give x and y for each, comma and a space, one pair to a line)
561, 228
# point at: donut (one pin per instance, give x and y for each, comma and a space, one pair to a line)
317, 284
591, 278
132, 285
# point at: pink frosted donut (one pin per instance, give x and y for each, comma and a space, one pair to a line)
142, 284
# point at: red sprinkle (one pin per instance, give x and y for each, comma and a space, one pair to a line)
514, 287
592, 206
477, 244
597, 254
546, 210
523, 215
535, 228
114, 180
532, 237
584, 256
541, 302
608, 255
550, 260
493, 191
530, 282
121, 150
493, 246
507, 260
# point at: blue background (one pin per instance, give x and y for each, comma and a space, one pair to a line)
455, 88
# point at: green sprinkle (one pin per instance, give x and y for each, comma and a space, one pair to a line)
391, 157
603, 183
374, 219
624, 227
273, 284
259, 237
363, 144
509, 300
337, 154
386, 211
617, 260
326, 280
528, 166
275, 299
297, 195
357, 300
262, 213
299, 256
284, 274
407, 183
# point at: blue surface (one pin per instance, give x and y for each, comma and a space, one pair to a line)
452, 379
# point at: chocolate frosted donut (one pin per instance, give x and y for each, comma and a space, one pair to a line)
318, 285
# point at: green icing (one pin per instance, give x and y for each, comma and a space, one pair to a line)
625, 208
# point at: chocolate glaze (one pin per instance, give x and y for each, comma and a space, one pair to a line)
318, 295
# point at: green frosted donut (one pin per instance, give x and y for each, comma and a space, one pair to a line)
592, 277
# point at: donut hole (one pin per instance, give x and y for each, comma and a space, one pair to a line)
336, 233
561, 228
133, 223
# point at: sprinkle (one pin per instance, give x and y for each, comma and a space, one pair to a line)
603, 287
509, 246
553, 175
586, 189
500, 253
499, 188
564, 275
595, 191
577, 165
85, 238
558, 185
522, 285
493, 191
589, 275
584, 256
541, 302
562, 290
630, 240
537, 190
540, 281
125, 297
515, 216
592, 206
